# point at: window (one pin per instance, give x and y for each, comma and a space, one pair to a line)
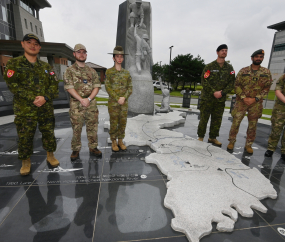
4, 13
26, 23
36, 29
279, 47
31, 26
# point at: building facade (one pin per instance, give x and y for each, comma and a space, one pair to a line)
277, 57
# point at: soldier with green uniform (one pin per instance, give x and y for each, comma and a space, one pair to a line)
217, 80
119, 87
278, 120
251, 86
34, 86
82, 83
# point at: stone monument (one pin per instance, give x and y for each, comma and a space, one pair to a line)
134, 34
165, 103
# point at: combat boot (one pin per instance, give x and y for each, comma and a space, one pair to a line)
95, 152
200, 139
215, 142
26, 167
268, 153
52, 160
121, 144
231, 145
114, 145
74, 156
248, 149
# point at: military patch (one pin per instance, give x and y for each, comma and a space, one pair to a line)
52, 73
214, 70
85, 81
207, 74
255, 79
233, 72
10, 73
46, 71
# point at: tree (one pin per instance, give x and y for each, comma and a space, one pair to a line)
157, 71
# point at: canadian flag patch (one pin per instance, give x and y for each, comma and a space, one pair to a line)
207, 74
233, 72
51, 73
10, 73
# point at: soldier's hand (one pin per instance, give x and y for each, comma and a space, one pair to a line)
218, 94
121, 100
39, 101
248, 101
85, 102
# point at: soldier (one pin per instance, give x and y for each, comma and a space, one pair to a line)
137, 14
83, 84
119, 87
252, 84
278, 120
217, 80
34, 86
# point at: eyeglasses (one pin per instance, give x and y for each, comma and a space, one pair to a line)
81, 52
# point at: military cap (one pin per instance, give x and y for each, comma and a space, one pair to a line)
118, 50
79, 47
258, 52
145, 36
223, 46
31, 36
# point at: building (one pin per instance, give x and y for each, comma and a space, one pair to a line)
277, 57
99, 69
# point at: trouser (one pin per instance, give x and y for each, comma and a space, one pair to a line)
278, 122
118, 119
215, 110
26, 128
254, 113
78, 115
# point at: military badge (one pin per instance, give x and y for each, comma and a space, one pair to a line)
262, 51
85, 81
207, 74
10, 73
46, 71
233, 72
51, 73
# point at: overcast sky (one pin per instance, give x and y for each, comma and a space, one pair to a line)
196, 27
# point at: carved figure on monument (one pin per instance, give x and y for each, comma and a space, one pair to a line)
143, 53
137, 14
165, 107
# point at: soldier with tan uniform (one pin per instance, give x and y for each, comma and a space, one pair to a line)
278, 120
251, 86
83, 84
119, 87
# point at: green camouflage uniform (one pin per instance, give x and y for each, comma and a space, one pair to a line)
118, 84
220, 78
278, 119
249, 84
27, 81
83, 80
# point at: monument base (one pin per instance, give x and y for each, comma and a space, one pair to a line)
142, 99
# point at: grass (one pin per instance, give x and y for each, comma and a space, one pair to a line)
267, 111
266, 118
271, 95
101, 99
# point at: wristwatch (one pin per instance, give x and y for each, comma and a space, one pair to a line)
89, 99
46, 98
256, 99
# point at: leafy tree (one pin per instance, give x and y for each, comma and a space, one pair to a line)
157, 71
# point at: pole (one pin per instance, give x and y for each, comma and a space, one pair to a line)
169, 64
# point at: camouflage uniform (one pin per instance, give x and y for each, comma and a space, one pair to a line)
278, 119
249, 84
118, 84
83, 80
26, 81
220, 78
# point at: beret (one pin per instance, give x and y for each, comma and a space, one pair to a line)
258, 52
223, 46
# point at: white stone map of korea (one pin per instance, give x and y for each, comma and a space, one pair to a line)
207, 184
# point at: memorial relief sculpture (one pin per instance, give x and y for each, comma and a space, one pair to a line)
165, 103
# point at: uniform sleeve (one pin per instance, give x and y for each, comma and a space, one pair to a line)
231, 83
109, 89
206, 84
14, 85
280, 83
129, 88
266, 87
68, 80
95, 82
238, 86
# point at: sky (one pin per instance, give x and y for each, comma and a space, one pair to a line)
197, 27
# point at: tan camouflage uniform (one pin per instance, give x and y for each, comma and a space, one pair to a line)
83, 80
278, 119
249, 84
118, 84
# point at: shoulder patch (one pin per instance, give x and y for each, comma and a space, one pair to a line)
233, 72
207, 74
10, 73
52, 73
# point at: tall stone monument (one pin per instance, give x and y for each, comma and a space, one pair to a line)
134, 34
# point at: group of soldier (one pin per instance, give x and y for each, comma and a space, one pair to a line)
35, 85
251, 86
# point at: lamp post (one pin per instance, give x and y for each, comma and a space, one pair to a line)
169, 64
